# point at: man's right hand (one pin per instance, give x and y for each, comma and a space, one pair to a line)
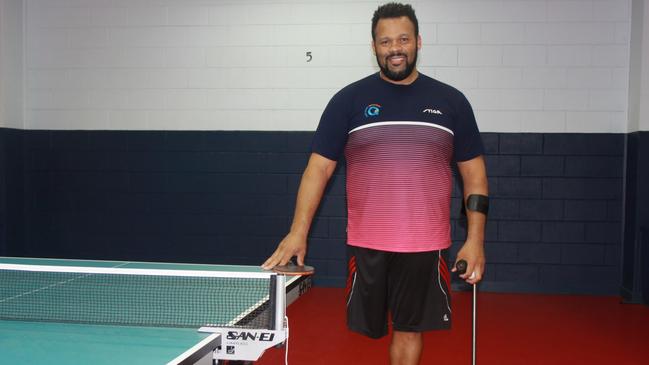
291, 245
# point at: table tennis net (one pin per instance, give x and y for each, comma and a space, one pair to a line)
118, 298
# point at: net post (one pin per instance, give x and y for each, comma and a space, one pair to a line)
277, 301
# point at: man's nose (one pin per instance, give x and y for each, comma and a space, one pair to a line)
395, 47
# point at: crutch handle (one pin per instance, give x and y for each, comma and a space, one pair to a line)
461, 266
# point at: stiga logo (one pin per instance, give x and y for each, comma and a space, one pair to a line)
372, 110
250, 336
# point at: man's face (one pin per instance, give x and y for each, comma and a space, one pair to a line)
395, 46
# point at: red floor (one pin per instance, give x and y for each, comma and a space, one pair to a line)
513, 329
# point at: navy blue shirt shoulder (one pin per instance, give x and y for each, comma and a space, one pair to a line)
374, 100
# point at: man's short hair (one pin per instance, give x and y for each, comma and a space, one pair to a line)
394, 10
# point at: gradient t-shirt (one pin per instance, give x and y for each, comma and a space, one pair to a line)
399, 142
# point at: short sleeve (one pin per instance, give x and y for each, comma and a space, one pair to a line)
467, 141
331, 136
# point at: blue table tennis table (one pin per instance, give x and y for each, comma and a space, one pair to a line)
49, 342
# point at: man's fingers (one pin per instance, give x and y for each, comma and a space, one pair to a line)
273, 260
285, 252
300, 259
473, 274
280, 257
268, 264
284, 260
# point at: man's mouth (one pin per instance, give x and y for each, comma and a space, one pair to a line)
397, 60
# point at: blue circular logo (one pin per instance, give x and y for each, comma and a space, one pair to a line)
372, 110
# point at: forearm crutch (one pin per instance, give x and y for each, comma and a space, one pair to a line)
461, 267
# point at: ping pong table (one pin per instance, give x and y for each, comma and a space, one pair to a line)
53, 341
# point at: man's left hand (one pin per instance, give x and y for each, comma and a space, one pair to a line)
473, 253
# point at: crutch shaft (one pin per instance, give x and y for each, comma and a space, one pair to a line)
474, 332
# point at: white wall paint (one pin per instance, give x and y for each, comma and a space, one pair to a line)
644, 92
639, 68
11, 64
526, 66
2, 65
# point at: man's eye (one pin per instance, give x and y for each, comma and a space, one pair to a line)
404, 40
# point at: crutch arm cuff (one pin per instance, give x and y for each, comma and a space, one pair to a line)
478, 203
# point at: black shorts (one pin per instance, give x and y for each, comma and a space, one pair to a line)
413, 288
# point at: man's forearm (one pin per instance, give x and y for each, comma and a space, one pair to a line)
476, 221
312, 186
474, 178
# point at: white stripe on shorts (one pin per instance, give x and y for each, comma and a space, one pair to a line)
439, 279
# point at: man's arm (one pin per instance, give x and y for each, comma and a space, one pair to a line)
474, 177
314, 180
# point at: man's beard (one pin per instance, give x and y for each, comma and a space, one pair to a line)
397, 75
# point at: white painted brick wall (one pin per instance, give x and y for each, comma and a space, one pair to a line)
11, 64
526, 65
639, 114
459, 33
524, 55
502, 33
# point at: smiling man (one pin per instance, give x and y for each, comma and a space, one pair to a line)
396, 48
400, 132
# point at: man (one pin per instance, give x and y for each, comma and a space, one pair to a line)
400, 131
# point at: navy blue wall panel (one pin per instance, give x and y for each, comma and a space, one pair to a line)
11, 190
556, 212
635, 245
643, 214
555, 223
172, 196
3, 193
